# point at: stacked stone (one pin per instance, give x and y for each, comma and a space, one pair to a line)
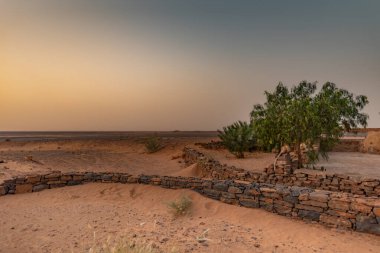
284, 173
329, 208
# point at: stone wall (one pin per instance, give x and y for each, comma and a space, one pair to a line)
284, 173
349, 145
331, 209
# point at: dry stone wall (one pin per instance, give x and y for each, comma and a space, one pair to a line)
284, 173
333, 209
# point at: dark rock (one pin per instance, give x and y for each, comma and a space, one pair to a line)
367, 224
310, 215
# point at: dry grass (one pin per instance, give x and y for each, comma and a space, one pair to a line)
181, 206
153, 144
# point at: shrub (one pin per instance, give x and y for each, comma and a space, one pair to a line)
153, 144
238, 138
180, 207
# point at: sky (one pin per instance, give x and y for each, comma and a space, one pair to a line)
82, 65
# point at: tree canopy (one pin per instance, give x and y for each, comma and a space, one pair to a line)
303, 116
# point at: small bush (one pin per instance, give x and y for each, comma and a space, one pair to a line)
238, 138
153, 144
122, 247
180, 207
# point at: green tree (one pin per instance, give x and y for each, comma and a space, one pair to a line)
238, 138
301, 115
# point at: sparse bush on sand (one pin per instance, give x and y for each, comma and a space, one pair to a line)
153, 144
181, 206
238, 138
122, 247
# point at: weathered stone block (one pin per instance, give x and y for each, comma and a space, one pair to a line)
66, 177
221, 186
73, 182
376, 211
249, 202
341, 214
77, 177
284, 210
309, 208
314, 203
23, 188
319, 196
335, 221
212, 193
339, 205
233, 189
33, 179
309, 215
291, 199
53, 176
303, 196
228, 195
40, 187
2, 190
360, 208
367, 224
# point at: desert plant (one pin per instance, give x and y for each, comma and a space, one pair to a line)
238, 138
181, 206
153, 144
122, 246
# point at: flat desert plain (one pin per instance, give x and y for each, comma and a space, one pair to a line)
78, 218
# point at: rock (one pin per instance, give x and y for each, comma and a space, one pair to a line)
314, 203
309, 208
339, 205
24, 188
335, 221
2, 190
247, 202
360, 208
40, 187
212, 193
221, 187
319, 196
376, 211
233, 189
309, 215
367, 224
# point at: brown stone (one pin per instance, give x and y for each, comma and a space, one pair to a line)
303, 196
233, 189
309, 208
336, 221
77, 177
340, 205
360, 208
33, 179
314, 203
319, 196
23, 188
341, 214
266, 189
376, 211
66, 177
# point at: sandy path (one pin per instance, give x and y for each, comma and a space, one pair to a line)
63, 220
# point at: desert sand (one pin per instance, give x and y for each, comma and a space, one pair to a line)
70, 219
65, 220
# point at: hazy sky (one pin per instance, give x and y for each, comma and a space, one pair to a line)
166, 65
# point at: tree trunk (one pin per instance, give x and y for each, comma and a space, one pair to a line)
299, 152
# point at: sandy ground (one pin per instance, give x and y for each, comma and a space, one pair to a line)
65, 219
128, 155
352, 163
